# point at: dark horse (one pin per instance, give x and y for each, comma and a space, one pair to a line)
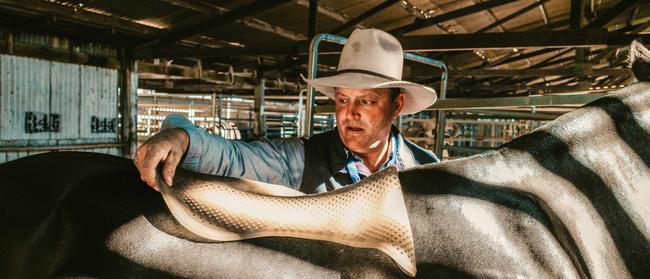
571, 199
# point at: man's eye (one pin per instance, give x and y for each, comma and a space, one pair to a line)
343, 101
365, 102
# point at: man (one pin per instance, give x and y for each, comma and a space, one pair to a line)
369, 94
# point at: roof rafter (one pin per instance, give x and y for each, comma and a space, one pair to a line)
611, 14
512, 16
551, 39
535, 72
541, 64
324, 10
214, 22
81, 16
352, 22
524, 56
427, 43
423, 23
312, 19
251, 22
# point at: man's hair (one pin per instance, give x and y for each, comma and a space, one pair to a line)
394, 92
640, 60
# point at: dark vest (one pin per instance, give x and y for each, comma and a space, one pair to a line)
325, 157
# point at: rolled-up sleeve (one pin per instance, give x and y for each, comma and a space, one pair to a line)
277, 161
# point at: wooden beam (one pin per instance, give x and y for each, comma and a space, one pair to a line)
612, 13
572, 99
576, 22
324, 10
543, 12
536, 72
561, 23
555, 62
128, 83
512, 16
80, 16
524, 101
296, 49
214, 23
550, 39
214, 10
552, 85
352, 22
428, 43
313, 16
542, 63
419, 24
576, 14
522, 56
197, 86
34, 23
197, 6
60, 55
187, 86
504, 114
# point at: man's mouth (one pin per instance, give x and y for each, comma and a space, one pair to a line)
354, 129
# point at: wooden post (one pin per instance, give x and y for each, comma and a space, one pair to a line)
128, 76
313, 15
260, 119
10, 42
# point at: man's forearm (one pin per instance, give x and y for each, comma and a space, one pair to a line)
278, 161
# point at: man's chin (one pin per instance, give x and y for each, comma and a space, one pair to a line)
356, 147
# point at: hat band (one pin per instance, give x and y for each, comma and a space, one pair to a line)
359, 71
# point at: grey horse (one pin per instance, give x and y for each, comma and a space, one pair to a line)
569, 200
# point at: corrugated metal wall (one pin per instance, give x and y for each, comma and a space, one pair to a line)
52, 104
24, 98
66, 99
99, 104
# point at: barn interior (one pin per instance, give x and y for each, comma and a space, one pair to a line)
101, 75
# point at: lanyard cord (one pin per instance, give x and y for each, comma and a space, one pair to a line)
352, 168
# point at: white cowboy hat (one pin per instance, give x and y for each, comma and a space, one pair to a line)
371, 59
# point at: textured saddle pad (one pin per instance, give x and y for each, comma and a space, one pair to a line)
368, 214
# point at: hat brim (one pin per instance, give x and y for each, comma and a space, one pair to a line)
417, 98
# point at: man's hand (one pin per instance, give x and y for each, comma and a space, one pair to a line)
167, 146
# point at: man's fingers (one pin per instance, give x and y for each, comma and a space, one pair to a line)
148, 167
162, 147
169, 168
138, 157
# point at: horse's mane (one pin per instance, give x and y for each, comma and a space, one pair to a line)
639, 60
584, 123
619, 105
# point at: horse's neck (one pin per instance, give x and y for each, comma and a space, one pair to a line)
589, 169
609, 130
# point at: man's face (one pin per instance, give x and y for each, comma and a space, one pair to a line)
364, 117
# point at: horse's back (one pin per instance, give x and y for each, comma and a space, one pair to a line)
58, 208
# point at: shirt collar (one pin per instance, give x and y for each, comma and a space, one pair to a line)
338, 158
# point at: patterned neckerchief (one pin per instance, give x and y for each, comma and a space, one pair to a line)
362, 170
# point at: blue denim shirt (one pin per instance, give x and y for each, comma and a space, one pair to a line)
276, 161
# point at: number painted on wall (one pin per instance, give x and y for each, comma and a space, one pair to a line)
39, 122
103, 125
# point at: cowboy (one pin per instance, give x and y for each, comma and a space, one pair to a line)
369, 94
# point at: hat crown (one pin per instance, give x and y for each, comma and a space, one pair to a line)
374, 51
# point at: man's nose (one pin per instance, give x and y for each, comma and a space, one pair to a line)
352, 111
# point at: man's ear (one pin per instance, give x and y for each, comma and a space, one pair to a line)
398, 104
